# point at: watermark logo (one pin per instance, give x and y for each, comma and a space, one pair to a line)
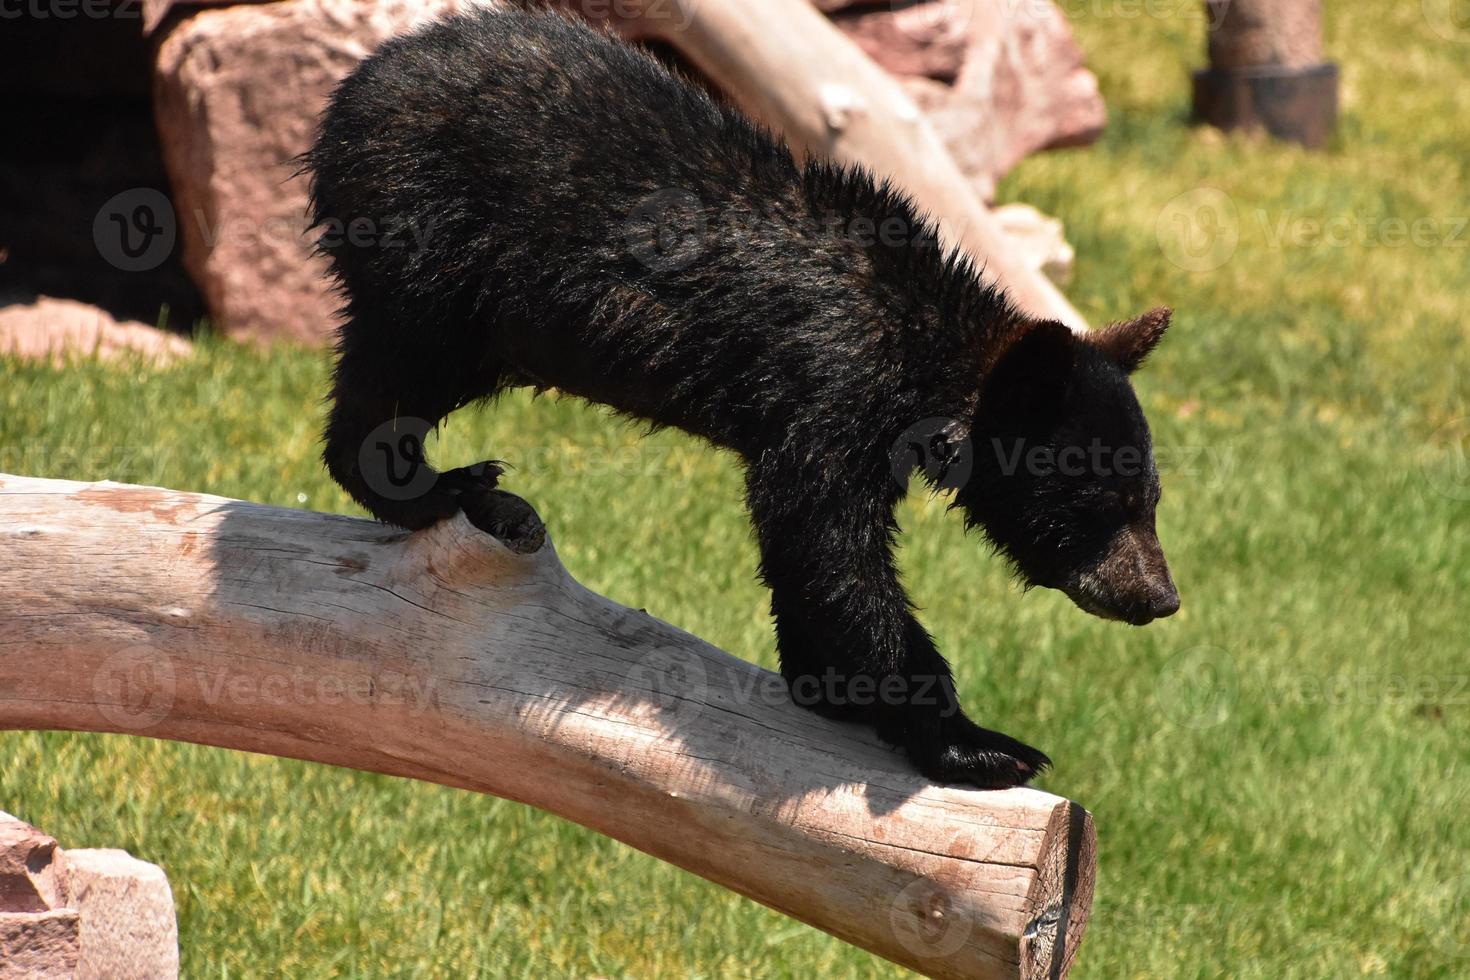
1212, 466
673, 681
135, 687
1198, 687
71, 9
1095, 459
841, 690
1450, 19
1291, 230
1423, 692
301, 688
925, 921
1199, 230
135, 231
1445, 460
940, 448
1457, 935
674, 12
392, 460
667, 230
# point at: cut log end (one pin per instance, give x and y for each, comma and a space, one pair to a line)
1061, 897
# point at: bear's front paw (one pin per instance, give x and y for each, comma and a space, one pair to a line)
956, 750
504, 516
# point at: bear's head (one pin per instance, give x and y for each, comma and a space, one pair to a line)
1063, 479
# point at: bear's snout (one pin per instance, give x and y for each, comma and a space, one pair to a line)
1130, 582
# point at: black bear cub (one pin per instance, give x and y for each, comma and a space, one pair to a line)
511, 198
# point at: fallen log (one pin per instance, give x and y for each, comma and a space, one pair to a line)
445, 656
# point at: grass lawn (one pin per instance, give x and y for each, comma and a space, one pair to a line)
1280, 773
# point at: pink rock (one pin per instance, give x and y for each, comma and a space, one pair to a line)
237, 94
89, 914
29, 877
128, 927
40, 945
998, 79
911, 40
38, 938
154, 11
55, 328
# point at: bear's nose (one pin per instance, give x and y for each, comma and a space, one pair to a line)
1164, 604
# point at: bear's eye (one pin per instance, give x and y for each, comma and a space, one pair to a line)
1111, 503
1138, 503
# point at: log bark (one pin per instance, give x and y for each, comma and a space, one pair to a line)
446, 657
787, 66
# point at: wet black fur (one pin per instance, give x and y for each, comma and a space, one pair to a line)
522, 149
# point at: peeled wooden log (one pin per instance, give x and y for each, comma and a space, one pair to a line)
447, 657
237, 89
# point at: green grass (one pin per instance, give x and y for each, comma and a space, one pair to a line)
1279, 773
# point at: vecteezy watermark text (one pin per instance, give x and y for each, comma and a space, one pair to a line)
71, 9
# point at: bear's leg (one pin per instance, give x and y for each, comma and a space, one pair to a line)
386, 397
850, 646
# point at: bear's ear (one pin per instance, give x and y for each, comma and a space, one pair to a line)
1129, 342
1030, 378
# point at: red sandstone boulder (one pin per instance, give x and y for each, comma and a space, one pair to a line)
998, 79
128, 927
56, 328
82, 914
38, 938
40, 945
29, 879
237, 93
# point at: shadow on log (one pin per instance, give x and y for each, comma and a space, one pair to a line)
445, 657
